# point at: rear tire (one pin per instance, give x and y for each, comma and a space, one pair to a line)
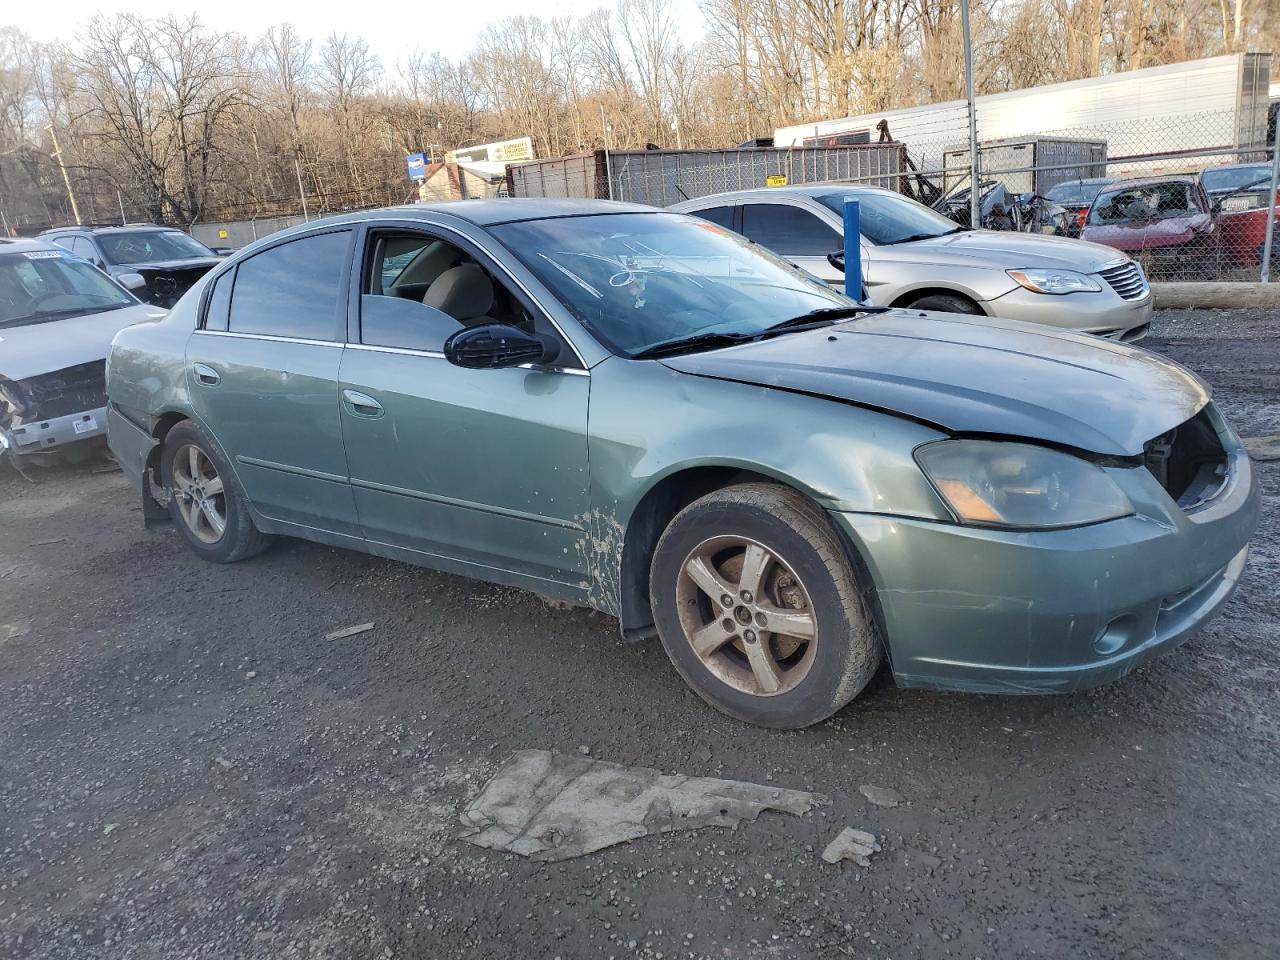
946, 303
776, 558
205, 500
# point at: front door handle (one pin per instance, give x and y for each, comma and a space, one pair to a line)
206, 374
361, 404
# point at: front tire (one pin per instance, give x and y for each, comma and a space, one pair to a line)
759, 608
946, 303
205, 500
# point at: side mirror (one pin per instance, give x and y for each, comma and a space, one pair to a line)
490, 346
836, 260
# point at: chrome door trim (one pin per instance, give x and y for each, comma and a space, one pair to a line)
437, 355
269, 338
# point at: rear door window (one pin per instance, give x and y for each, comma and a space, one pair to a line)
293, 289
83, 247
789, 231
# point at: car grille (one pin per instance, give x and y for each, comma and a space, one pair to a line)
1188, 461
1126, 279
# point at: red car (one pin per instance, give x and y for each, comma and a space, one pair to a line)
1165, 223
1239, 194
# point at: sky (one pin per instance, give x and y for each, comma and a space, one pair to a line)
448, 28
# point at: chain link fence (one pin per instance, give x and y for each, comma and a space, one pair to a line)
1188, 196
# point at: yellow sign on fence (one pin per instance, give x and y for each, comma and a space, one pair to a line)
776, 180
222, 234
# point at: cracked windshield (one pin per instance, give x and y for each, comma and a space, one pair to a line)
641, 281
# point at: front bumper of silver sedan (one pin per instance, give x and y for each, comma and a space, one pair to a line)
1104, 313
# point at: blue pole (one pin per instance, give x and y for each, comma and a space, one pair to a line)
852, 251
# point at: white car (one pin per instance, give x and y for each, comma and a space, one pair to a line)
913, 256
58, 314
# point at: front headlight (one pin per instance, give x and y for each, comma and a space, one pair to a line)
992, 483
1055, 282
132, 281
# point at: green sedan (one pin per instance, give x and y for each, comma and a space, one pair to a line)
647, 414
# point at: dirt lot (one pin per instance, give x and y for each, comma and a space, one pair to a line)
188, 768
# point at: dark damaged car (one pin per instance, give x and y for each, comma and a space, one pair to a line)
157, 264
57, 317
645, 413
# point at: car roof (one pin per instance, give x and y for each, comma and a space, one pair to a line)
110, 228
25, 245
1150, 181
487, 213
800, 190
1233, 166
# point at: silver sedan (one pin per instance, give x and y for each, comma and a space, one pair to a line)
915, 257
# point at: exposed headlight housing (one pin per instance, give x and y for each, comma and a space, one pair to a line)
1017, 485
1056, 282
132, 281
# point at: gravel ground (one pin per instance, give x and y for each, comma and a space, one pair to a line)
189, 768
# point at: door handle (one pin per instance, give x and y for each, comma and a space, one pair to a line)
361, 404
206, 374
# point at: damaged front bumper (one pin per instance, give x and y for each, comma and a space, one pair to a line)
55, 433
1002, 611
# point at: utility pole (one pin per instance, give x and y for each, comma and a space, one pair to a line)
975, 216
675, 125
57, 155
608, 166
297, 168
120, 200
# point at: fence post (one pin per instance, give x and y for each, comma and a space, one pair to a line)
975, 202
1269, 242
852, 251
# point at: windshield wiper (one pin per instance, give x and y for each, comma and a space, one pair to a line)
925, 236
822, 317
696, 342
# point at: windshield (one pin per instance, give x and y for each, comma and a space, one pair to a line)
890, 217
51, 285
636, 280
143, 246
1225, 179
1075, 191
1152, 201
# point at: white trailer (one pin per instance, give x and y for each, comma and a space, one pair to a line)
1161, 119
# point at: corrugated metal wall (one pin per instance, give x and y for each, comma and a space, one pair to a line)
663, 177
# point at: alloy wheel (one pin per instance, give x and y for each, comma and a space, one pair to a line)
747, 615
200, 494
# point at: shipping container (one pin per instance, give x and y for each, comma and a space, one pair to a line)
1142, 115
663, 177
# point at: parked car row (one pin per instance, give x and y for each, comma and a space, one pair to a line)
1182, 227
157, 264
653, 415
913, 256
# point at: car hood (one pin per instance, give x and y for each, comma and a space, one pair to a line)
1145, 234
190, 263
1009, 250
975, 376
39, 348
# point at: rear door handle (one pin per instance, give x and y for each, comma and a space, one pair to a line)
206, 374
361, 404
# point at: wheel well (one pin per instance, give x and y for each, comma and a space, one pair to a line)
656, 509
164, 423
911, 296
